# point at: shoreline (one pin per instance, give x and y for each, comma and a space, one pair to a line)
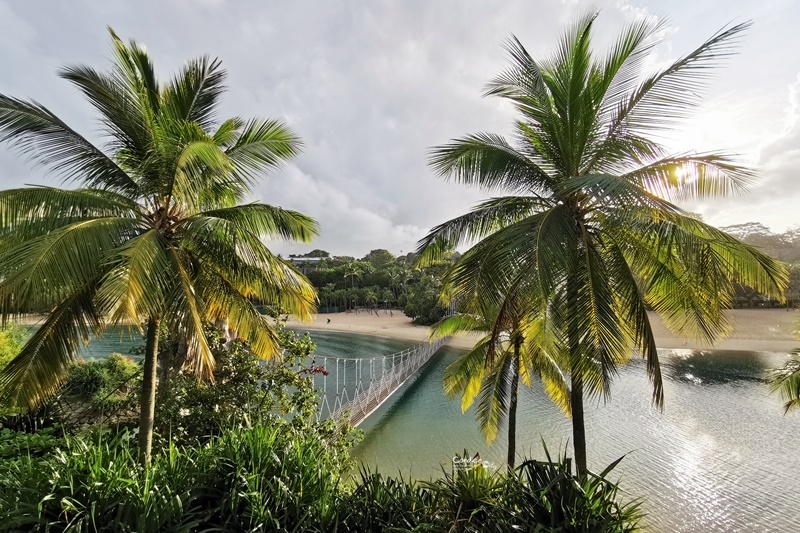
754, 330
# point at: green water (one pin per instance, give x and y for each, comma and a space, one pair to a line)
721, 456
117, 339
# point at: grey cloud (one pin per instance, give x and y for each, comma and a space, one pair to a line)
369, 86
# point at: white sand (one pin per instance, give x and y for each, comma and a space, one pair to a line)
768, 330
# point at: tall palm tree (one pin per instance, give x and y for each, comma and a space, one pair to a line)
154, 233
589, 220
512, 347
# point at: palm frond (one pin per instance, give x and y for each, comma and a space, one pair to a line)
200, 166
685, 177
633, 311
626, 58
134, 68
484, 219
261, 145
40, 272
36, 373
605, 191
786, 380
34, 211
495, 395
225, 302
126, 120
487, 161
465, 375
454, 324
672, 93
36, 132
193, 94
186, 312
246, 263
268, 221
139, 278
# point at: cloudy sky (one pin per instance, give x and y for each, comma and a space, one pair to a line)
371, 86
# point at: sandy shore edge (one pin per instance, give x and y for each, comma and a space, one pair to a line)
754, 330
757, 330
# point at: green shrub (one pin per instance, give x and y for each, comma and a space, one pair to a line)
103, 383
380, 503
267, 478
537, 497
248, 391
549, 494
99, 486
272, 477
12, 338
15, 444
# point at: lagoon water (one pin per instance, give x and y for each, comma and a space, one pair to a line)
720, 457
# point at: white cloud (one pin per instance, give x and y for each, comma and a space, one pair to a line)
775, 200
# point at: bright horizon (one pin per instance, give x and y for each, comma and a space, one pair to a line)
371, 88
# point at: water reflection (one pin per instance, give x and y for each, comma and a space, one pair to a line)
715, 459
714, 367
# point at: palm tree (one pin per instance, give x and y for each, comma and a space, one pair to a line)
328, 291
589, 221
154, 234
370, 297
353, 269
511, 348
394, 275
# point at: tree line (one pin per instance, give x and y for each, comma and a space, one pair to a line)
378, 281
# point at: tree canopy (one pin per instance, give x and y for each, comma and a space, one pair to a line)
587, 223
154, 232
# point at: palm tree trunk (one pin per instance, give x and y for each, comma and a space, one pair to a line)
576, 388
148, 401
578, 425
512, 411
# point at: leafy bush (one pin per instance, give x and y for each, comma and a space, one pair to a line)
423, 302
380, 503
14, 444
105, 386
99, 486
538, 496
247, 391
95, 391
273, 477
548, 493
267, 478
12, 338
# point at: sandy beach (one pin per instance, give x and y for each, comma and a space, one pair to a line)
759, 330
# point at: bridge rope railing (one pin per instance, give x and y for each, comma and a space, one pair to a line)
356, 387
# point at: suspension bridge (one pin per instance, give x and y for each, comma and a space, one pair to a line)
355, 387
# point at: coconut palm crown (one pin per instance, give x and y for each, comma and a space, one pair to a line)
589, 220
152, 232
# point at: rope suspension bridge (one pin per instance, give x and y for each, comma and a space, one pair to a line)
353, 388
